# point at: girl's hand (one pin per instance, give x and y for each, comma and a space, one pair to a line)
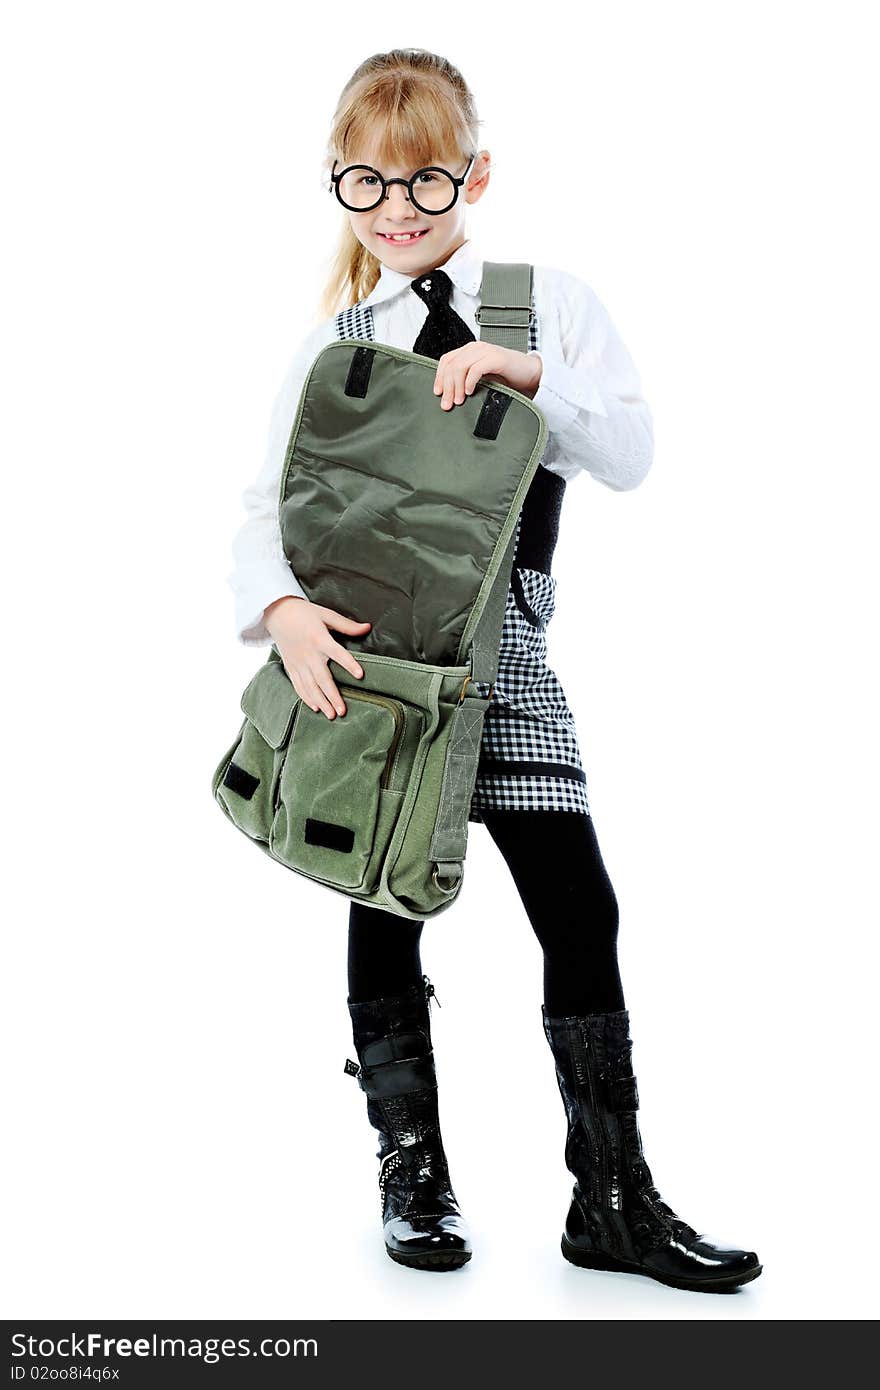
301, 632
459, 371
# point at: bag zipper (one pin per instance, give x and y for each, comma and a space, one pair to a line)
399, 722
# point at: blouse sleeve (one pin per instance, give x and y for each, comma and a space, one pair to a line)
261, 572
590, 392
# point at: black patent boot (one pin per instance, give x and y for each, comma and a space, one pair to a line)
617, 1219
422, 1224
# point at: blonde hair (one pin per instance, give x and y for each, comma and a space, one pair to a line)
420, 109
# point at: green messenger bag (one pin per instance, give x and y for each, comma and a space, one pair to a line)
394, 511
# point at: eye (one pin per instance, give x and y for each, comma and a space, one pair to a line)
369, 180
425, 176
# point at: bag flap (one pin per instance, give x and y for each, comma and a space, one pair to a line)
396, 511
269, 702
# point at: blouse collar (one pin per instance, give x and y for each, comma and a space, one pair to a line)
464, 268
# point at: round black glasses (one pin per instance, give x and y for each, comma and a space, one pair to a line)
433, 190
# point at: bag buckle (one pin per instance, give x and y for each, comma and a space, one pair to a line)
507, 321
465, 685
452, 872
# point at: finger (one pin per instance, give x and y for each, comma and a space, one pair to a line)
340, 623
328, 691
450, 364
314, 695
472, 378
440, 373
447, 360
345, 658
460, 374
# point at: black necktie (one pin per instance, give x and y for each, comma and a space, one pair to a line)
442, 330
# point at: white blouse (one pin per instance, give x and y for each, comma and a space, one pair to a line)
589, 392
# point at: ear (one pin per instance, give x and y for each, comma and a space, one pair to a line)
478, 181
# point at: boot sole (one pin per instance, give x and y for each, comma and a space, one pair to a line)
722, 1284
440, 1261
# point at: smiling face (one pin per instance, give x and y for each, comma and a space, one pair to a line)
396, 232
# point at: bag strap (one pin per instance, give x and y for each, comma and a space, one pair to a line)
504, 316
505, 311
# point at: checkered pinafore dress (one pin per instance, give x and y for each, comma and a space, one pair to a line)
529, 754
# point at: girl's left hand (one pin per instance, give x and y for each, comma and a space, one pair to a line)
459, 371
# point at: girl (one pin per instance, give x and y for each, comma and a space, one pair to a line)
404, 162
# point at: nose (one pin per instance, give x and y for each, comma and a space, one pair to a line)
402, 204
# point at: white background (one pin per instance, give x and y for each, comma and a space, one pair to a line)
182, 1140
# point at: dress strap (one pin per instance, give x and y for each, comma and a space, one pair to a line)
356, 322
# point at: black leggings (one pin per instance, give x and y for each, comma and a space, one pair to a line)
555, 862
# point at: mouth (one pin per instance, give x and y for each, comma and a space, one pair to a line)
402, 239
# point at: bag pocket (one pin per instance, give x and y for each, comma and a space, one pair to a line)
246, 782
534, 594
342, 785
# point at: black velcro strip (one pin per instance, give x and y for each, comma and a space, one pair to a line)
330, 836
361, 365
491, 416
399, 1078
392, 1047
239, 780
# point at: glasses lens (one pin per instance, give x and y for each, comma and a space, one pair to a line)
359, 188
433, 190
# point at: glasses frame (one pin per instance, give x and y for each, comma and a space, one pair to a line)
335, 181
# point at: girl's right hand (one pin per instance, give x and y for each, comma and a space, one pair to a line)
301, 632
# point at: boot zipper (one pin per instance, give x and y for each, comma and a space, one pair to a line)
604, 1139
584, 1074
430, 992
609, 1177
389, 1162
